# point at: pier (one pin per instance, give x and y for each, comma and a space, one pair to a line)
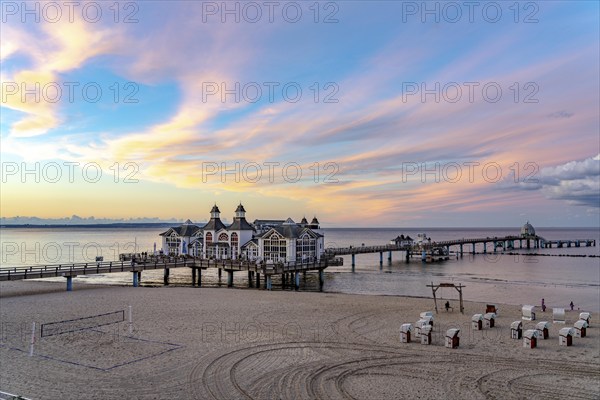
290, 272
425, 249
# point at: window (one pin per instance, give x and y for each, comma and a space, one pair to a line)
234, 244
223, 237
208, 238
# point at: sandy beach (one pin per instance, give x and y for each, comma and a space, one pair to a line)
206, 343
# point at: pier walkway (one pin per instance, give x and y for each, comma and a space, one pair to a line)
289, 271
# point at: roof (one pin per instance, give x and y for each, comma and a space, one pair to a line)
183, 230
304, 221
214, 224
314, 221
240, 208
240, 224
290, 231
215, 209
250, 242
268, 221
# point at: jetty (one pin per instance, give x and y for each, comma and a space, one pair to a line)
427, 250
290, 272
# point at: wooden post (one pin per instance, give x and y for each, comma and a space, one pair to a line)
258, 280
199, 277
321, 280
219, 274
229, 278
135, 279
193, 276
250, 279
69, 283
166, 277
297, 281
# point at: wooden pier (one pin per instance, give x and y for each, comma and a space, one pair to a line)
290, 272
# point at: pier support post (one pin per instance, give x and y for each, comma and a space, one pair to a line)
229, 278
250, 283
381, 258
199, 277
484, 247
258, 280
390, 256
473, 248
296, 280
283, 280
166, 277
220, 272
269, 282
69, 283
423, 256
321, 280
407, 256
139, 276
461, 250
353, 261
135, 279
193, 276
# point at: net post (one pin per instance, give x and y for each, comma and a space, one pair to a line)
32, 343
130, 322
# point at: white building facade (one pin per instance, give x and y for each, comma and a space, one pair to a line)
265, 240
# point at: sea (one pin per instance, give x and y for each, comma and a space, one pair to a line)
558, 275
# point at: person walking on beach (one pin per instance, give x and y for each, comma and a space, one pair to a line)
572, 305
543, 306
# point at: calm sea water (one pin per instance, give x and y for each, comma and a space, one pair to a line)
512, 279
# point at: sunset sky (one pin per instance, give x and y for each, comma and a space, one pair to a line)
485, 117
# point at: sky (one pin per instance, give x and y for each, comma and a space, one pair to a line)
362, 113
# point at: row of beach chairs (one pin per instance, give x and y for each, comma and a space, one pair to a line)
424, 326
565, 335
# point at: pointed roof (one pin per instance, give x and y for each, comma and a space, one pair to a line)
215, 224
314, 221
240, 224
188, 222
290, 231
215, 209
289, 221
184, 230
304, 221
240, 208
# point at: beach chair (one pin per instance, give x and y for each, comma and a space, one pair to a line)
405, 330
530, 338
477, 322
580, 328
491, 308
528, 313
558, 315
585, 316
542, 328
419, 326
565, 336
452, 339
426, 334
516, 330
489, 319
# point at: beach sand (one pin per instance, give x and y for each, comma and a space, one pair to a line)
219, 343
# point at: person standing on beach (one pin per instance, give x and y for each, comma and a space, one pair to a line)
543, 306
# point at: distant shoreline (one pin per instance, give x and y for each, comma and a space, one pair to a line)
170, 224
107, 225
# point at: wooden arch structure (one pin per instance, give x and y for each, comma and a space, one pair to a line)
458, 287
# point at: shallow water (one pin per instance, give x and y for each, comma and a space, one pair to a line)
525, 278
